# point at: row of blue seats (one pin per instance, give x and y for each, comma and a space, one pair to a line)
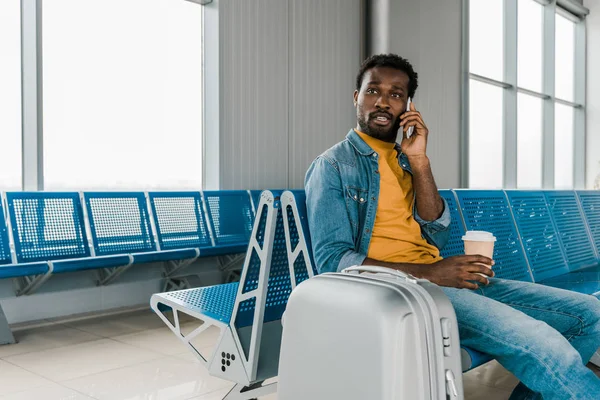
43, 233
248, 313
547, 237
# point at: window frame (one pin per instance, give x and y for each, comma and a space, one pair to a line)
510, 86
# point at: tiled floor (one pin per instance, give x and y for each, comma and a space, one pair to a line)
134, 356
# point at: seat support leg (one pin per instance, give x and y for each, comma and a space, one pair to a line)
27, 284
258, 389
229, 263
174, 266
6, 336
107, 275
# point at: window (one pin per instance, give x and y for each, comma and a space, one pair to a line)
10, 94
486, 147
525, 107
122, 94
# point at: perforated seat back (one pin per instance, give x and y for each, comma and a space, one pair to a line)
279, 284
119, 222
590, 204
488, 210
538, 234
230, 215
570, 223
47, 226
179, 219
300, 232
5, 257
454, 246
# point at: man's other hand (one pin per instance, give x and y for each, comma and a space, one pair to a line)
457, 271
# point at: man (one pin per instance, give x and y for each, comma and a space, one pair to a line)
371, 201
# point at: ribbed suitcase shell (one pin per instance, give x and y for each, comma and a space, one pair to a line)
373, 336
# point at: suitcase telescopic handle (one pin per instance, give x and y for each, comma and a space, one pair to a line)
380, 270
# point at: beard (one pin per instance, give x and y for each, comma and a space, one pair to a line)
378, 132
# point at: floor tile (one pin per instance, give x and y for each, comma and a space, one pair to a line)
477, 391
164, 341
15, 379
82, 359
492, 374
168, 378
47, 337
121, 324
219, 394
48, 392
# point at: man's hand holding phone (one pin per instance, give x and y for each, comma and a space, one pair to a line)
414, 144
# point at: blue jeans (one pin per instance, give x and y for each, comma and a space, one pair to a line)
543, 335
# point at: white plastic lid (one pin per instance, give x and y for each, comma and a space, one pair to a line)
479, 236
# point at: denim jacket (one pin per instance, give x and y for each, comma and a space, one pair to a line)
342, 189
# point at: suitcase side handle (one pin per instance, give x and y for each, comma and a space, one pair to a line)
380, 270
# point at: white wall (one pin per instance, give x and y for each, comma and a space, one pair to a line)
287, 73
593, 93
428, 34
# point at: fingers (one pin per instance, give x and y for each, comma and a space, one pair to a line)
411, 114
415, 118
476, 258
467, 285
478, 278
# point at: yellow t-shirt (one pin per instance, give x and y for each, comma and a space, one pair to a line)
396, 235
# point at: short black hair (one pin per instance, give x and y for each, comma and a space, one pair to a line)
391, 61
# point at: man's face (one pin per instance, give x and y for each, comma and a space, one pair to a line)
380, 102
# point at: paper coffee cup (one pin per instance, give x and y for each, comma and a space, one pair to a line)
481, 243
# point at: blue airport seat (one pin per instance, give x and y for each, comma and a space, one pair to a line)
181, 224
590, 286
20, 270
538, 235
488, 210
298, 232
571, 227
215, 302
47, 226
454, 246
88, 263
119, 223
472, 358
230, 217
5, 256
180, 220
590, 204
232, 307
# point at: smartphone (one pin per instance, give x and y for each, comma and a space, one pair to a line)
409, 132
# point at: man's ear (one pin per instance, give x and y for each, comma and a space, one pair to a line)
355, 97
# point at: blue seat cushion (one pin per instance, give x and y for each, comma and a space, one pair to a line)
222, 250
215, 302
25, 269
81, 264
164, 255
472, 358
581, 275
585, 287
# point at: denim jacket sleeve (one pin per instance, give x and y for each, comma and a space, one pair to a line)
436, 232
331, 231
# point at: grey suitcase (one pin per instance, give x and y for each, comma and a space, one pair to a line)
380, 335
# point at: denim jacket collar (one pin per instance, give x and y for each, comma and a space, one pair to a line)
364, 149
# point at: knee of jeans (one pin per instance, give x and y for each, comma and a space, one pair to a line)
592, 312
